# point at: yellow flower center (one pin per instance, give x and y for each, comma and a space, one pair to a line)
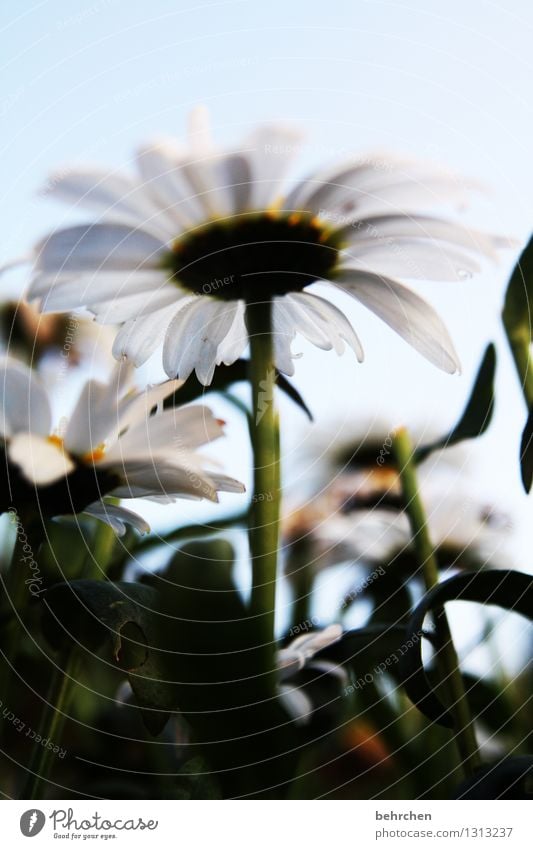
94, 456
56, 440
88, 458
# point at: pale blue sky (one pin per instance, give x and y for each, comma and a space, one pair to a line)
91, 80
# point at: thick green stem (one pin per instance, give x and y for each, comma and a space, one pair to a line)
52, 722
264, 517
447, 659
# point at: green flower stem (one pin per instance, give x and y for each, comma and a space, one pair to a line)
52, 722
264, 515
447, 659
100, 555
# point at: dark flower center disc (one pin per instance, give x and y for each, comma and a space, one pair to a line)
254, 257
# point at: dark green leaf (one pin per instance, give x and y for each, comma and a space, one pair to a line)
477, 414
217, 669
124, 617
287, 387
223, 378
504, 588
374, 649
526, 453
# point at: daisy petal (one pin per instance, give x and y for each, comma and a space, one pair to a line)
231, 179
193, 337
270, 152
304, 322
384, 227
92, 247
134, 306
349, 201
223, 483
284, 332
117, 517
382, 180
432, 192
420, 260
150, 480
235, 341
173, 433
296, 655
41, 461
114, 196
161, 166
97, 411
332, 321
136, 408
297, 703
408, 314
138, 339
23, 400
68, 292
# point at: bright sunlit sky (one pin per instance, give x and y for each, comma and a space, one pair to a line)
89, 81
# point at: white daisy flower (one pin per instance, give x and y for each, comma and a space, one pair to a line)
298, 655
180, 248
113, 444
356, 512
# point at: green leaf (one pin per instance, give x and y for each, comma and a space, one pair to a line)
477, 414
219, 685
526, 453
517, 322
519, 296
206, 624
122, 616
374, 649
505, 588
225, 377
291, 391
64, 554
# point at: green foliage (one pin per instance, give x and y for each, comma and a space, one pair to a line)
226, 377
526, 453
477, 415
519, 296
517, 322
122, 618
505, 588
